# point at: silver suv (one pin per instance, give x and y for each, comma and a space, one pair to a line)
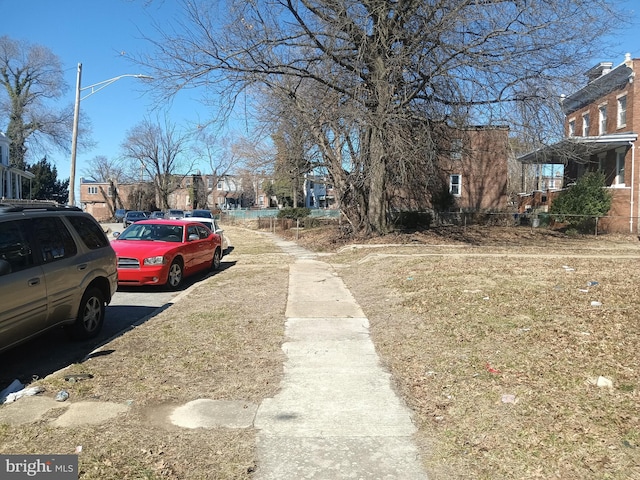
57, 267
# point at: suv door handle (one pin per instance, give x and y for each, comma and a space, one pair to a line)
82, 266
33, 281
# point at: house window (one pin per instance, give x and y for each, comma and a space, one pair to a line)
456, 149
602, 120
585, 125
92, 190
572, 128
209, 183
622, 111
261, 200
455, 182
219, 186
619, 179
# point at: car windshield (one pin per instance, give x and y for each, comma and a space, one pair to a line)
153, 231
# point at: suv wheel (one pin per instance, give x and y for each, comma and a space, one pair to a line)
90, 315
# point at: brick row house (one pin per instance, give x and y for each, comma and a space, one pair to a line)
204, 191
600, 135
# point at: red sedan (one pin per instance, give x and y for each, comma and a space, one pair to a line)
163, 252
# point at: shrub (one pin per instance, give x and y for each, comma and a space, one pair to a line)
294, 212
581, 204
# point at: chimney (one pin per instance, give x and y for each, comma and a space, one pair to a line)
598, 71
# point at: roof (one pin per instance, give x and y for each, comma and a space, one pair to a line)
607, 82
578, 148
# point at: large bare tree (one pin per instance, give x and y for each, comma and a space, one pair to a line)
31, 77
158, 150
376, 80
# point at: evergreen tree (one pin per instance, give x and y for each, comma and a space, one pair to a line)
583, 202
45, 185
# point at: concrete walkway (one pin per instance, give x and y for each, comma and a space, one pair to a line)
336, 416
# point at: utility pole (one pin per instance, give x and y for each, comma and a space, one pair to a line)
74, 140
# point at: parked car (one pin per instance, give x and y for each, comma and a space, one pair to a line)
202, 213
119, 214
57, 268
163, 252
175, 214
212, 224
132, 217
157, 214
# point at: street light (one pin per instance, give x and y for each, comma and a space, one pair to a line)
95, 88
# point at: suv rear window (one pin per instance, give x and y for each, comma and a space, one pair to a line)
54, 239
90, 232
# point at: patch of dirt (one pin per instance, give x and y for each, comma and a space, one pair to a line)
331, 237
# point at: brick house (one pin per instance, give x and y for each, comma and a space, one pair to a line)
221, 192
600, 135
471, 166
101, 199
476, 167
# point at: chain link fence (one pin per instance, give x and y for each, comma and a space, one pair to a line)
267, 219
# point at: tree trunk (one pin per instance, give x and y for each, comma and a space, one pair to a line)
377, 202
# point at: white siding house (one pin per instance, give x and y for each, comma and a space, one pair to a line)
10, 176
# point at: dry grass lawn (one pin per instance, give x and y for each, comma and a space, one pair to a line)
490, 335
494, 343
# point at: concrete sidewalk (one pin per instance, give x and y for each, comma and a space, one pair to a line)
336, 416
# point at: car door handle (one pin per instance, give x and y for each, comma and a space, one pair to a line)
82, 266
33, 281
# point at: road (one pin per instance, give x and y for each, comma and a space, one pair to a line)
54, 350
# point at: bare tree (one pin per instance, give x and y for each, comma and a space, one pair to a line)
102, 169
365, 75
31, 76
159, 151
218, 155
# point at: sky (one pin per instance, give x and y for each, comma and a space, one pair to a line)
96, 33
